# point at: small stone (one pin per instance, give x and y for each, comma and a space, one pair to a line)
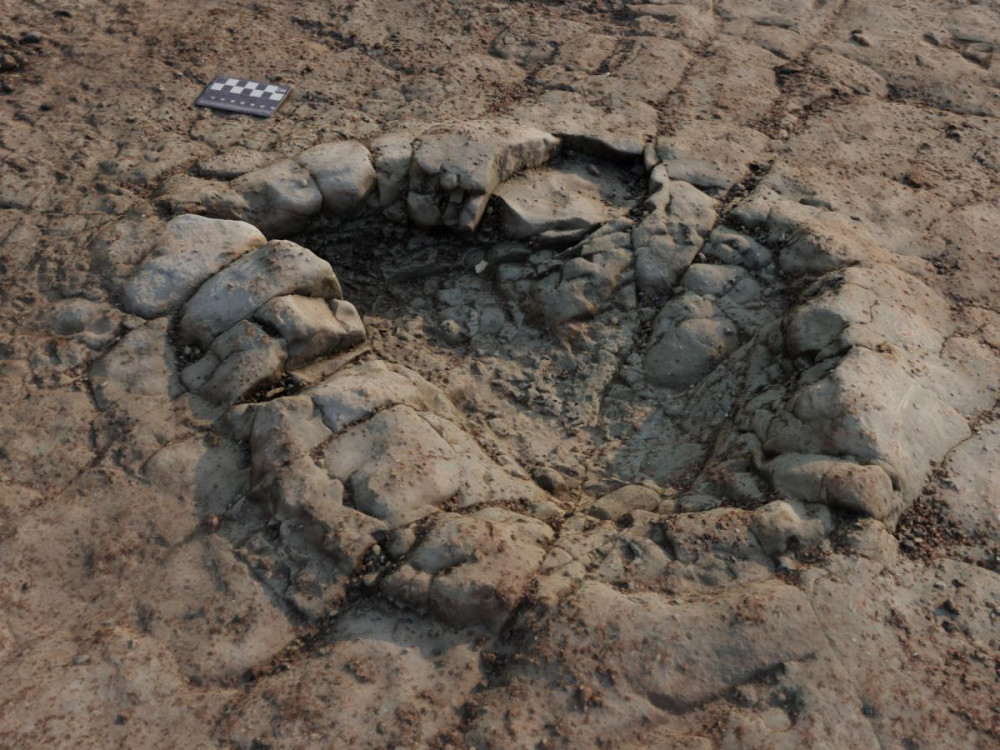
31, 37
538, 202
631, 497
452, 331
859, 38
8, 62
550, 480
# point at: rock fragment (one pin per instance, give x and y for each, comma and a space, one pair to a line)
453, 173
690, 337
624, 500
781, 525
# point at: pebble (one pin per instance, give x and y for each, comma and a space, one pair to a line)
859, 38
452, 332
550, 480
8, 62
31, 37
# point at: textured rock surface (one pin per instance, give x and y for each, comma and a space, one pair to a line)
661, 411
312, 327
191, 250
343, 172
280, 197
277, 269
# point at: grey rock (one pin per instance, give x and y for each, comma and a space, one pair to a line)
780, 525
247, 359
546, 200
423, 209
276, 269
706, 279
550, 480
480, 155
283, 432
356, 393
696, 503
388, 419
453, 332
588, 282
281, 197
836, 482
312, 327
190, 250
469, 570
373, 460
183, 194
734, 248
816, 326
491, 320
344, 173
667, 241
690, 337
658, 188
392, 166
631, 497
455, 172
870, 538
872, 407
813, 241
196, 374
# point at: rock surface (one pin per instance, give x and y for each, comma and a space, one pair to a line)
661, 411
191, 250
343, 172
276, 269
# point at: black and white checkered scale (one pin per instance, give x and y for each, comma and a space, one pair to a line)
242, 95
